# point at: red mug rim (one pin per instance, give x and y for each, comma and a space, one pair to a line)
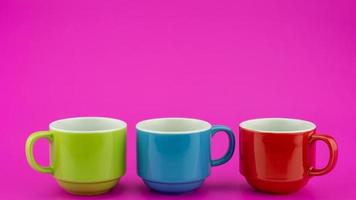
278, 125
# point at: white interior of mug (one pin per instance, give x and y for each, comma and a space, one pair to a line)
87, 125
173, 125
278, 125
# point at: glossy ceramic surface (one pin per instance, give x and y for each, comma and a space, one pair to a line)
88, 189
174, 162
281, 162
83, 162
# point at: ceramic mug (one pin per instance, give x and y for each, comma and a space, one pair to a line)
277, 155
174, 154
87, 153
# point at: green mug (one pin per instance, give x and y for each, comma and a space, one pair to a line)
87, 153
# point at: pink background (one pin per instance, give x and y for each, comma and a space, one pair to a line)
222, 61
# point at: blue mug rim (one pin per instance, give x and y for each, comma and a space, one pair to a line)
205, 126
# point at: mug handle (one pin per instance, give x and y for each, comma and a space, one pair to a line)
231, 148
29, 150
330, 141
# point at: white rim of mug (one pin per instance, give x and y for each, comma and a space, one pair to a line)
141, 123
119, 123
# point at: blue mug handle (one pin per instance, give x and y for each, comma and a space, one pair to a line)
230, 150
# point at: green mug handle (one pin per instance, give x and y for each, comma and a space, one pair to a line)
29, 150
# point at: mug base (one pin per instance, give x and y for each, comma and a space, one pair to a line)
277, 187
173, 188
87, 189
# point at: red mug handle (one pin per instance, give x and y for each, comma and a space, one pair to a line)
330, 141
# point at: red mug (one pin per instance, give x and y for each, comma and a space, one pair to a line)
277, 155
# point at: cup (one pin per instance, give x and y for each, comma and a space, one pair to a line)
87, 154
277, 155
174, 154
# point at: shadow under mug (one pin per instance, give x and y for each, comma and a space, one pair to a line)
87, 154
277, 155
174, 154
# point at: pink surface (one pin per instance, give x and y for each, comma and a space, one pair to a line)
222, 61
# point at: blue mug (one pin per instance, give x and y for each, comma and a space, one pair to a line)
174, 154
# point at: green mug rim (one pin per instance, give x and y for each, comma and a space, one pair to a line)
115, 125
